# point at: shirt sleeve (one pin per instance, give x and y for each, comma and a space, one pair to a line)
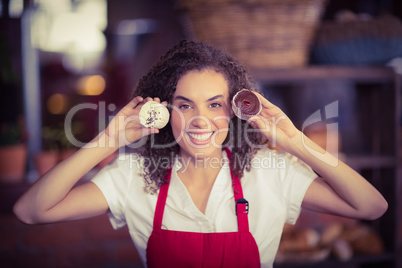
114, 181
296, 178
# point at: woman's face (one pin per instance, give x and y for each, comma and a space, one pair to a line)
201, 113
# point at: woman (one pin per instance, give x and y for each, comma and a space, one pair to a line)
205, 190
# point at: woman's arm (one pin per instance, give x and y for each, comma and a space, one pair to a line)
339, 190
52, 198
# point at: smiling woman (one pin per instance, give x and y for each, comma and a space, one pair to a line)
186, 195
202, 100
198, 82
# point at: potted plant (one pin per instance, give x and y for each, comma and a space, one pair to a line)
56, 147
66, 147
48, 156
13, 152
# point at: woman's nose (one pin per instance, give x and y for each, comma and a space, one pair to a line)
199, 120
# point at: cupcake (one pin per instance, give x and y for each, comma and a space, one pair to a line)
154, 115
246, 104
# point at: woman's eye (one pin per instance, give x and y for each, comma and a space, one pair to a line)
215, 105
184, 106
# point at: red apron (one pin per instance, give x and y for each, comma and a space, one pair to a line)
187, 249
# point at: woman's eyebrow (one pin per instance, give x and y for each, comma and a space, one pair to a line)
179, 97
215, 97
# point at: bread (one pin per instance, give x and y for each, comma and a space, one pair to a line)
369, 244
330, 234
300, 240
342, 250
363, 240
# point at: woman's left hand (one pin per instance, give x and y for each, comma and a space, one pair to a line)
340, 190
274, 124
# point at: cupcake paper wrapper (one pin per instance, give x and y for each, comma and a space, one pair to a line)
245, 104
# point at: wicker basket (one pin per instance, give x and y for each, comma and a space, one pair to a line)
358, 42
259, 33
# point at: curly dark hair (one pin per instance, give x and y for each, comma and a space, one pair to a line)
161, 81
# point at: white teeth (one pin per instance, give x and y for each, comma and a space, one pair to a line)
200, 137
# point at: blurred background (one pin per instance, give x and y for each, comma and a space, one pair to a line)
67, 66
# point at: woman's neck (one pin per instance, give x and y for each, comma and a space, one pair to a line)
200, 168
198, 176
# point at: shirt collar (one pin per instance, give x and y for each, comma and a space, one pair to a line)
177, 165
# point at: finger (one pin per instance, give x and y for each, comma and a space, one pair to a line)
253, 119
264, 102
149, 131
140, 104
157, 99
253, 124
148, 99
260, 123
134, 102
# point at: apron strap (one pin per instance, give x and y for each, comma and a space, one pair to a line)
160, 204
241, 204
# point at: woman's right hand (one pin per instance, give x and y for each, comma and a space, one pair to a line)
125, 127
54, 198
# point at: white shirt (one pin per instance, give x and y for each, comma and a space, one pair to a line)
274, 188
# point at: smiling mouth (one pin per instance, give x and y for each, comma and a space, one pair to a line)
201, 136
